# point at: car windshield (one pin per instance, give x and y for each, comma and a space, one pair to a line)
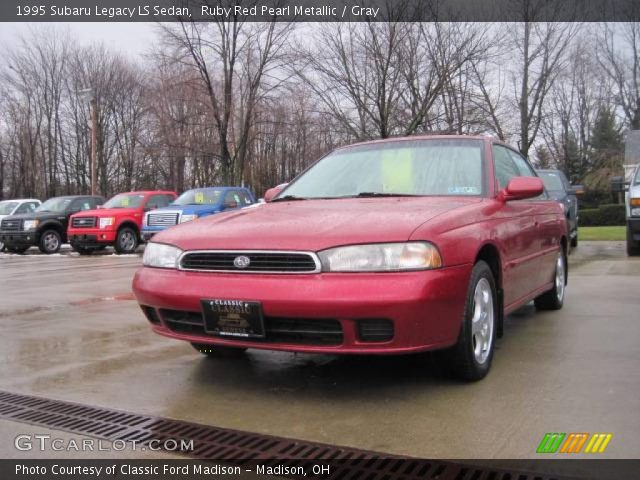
125, 200
552, 181
7, 207
408, 167
199, 197
57, 204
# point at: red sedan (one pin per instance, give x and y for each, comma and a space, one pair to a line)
385, 247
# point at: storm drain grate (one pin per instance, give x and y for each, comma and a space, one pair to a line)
237, 447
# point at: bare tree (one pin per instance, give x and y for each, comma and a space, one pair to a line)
237, 63
618, 53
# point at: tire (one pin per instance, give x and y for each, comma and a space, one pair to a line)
1, 247
554, 299
215, 351
18, 250
633, 247
127, 240
470, 359
50, 242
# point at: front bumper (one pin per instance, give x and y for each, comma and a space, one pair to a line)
425, 307
19, 239
87, 237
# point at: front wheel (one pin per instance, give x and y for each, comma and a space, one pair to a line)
1, 247
127, 240
633, 247
574, 240
554, 299
50, 242
217, 351
470, 359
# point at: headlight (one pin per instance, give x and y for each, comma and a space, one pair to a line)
635, 212
187, 218
30, 224
381, 257
106, 222
160, 255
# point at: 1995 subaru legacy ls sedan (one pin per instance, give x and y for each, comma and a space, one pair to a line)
385, 247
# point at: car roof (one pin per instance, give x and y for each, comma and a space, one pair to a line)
146, 192
484, 138
20, 200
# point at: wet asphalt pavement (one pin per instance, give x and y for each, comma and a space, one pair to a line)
72, 331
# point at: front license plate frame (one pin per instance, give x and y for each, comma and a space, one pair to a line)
233, 318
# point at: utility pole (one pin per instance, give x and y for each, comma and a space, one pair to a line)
94, 145
87, 94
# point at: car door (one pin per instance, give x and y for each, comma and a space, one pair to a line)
519, 231
547, 228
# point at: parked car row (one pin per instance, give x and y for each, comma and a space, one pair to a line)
387, 247
89, 224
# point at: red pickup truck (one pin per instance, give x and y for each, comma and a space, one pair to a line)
117, 223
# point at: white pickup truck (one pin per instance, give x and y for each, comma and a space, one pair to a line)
632, 204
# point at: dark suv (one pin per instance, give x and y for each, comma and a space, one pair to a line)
45, 228
558, 188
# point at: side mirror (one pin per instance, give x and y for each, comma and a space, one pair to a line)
576, 190
274, 192
618, 185
520, 188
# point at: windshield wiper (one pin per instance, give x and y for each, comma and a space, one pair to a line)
381, 194
288, 198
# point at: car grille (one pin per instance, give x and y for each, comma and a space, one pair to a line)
83, 222
11, 225
162, 219
260, 262
302, 331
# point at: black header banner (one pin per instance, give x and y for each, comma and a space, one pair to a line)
319, 10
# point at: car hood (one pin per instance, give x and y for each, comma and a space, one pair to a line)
107, 212
39, 216
189, 209
311, 224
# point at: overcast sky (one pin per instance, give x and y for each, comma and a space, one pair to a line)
129, 38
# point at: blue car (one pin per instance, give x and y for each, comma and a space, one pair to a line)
196, 203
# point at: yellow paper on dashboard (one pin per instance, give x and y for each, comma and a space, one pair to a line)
397, 171
199, 197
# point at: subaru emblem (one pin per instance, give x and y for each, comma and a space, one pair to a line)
241, 262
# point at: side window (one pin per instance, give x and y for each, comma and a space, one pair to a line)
24, 208
81, 204
159, 201
95, 201
523, 166
245, 199
231, 197
33, 206
505, 167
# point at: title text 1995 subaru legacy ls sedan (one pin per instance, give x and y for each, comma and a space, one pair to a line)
385, 247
